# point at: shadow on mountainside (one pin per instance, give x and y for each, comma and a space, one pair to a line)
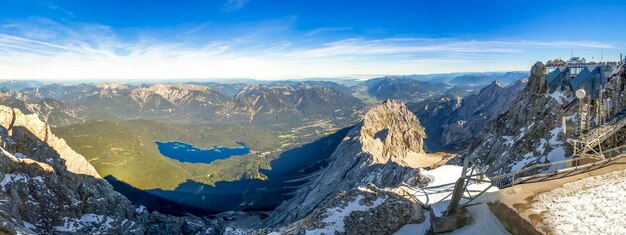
288, 173
42, 191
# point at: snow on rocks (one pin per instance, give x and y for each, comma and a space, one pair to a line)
532, 121
526, 159
13, 178
96, 224
19, 155
335, 216
556, 152
559, 97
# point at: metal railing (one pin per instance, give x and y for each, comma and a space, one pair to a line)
539, 170
513, 178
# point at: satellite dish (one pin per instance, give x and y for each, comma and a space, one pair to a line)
580, 93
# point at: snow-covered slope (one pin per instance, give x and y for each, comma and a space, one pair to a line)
594, 205
437, 194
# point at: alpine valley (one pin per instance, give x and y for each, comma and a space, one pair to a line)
135, 136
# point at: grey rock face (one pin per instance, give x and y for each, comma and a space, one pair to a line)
527, 133
452, 123
47, 188
530, 131
379, 150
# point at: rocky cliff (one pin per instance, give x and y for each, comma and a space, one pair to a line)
47, 188
528, 132
382, 151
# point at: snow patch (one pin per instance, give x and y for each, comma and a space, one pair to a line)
542, 146
558, 152
20, 155
236, 231
559, 97
523, 131
141, 209
508, 140
96, 224
528, 158
13, 178
554, 134
29, 225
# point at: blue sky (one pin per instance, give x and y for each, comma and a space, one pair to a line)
188, 39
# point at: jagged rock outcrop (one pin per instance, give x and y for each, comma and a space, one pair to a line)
477, 110
383, 150
363, 210
528, 132
452, 123
376, 220
47, 188
30, 129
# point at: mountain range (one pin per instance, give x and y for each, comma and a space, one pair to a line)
325, 145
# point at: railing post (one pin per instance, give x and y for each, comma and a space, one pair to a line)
512, 180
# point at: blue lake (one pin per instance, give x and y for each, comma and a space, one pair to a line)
187, 153
200, 199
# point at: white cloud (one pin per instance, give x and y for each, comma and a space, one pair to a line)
326, 30
89, 51
425, 45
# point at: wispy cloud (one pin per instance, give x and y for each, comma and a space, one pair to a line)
327, 30
233, 5
51, 50
363, 47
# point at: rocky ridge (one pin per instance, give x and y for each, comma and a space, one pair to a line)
258, 104
453, 122
402, 88
186, 103
528, 132
380, 152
